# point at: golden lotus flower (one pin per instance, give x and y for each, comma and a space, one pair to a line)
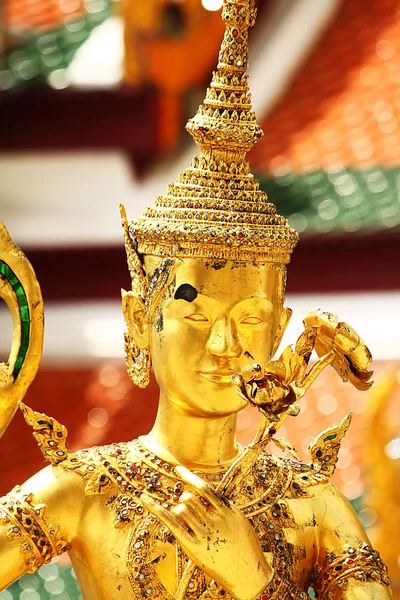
351, 356
276, 389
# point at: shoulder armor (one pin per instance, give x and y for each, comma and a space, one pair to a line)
52, 436
325, 448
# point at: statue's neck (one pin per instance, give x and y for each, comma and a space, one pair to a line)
192, 441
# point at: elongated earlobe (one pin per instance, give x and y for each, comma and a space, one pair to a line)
133, 309
137, 347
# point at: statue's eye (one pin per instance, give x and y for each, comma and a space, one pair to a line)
252, 321
198, 317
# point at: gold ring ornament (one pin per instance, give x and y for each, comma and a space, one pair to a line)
20, 290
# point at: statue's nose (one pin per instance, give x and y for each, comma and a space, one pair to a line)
223, 340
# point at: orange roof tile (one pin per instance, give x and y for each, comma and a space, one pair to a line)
33, 15
343, 107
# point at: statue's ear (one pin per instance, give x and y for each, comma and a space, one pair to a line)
133, 309
286, 315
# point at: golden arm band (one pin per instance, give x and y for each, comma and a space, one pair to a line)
39, 540
362, 564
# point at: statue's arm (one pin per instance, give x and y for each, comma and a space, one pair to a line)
38, 521
348, 567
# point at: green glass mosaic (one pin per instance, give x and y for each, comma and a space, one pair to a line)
340, 201
14, 282
17, 287
23, 301
24, 313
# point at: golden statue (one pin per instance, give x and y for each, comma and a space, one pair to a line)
185, 512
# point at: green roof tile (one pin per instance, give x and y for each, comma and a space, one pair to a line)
52, 50
340, 201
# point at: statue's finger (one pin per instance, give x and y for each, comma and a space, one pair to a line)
167, 517
200, 487
197, 505
189, 519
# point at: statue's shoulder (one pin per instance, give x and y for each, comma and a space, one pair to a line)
297, 477
104, 469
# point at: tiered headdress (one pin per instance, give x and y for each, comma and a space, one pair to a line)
215, 209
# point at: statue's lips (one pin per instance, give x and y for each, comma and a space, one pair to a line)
217, 376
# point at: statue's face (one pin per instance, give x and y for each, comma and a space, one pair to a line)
213, 319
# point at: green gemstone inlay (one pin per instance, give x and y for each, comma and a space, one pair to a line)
24, 312
330, 437
49, 425
23, 301
24, 338
14, 281
18, 364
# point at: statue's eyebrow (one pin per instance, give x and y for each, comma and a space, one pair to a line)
186, 292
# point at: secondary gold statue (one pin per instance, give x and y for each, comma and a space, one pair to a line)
185, 512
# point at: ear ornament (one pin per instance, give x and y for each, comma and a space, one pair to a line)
138, 361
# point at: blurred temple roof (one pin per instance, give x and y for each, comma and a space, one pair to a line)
42, 36
330, 158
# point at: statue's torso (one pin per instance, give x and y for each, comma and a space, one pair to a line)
120, 550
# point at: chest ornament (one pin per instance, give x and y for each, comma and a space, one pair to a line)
261, 488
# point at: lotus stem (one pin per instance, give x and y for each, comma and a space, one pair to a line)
319, 366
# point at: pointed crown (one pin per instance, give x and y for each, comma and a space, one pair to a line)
215, 209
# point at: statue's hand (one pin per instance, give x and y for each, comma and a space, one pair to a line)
216, 536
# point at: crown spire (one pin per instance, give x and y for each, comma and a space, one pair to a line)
215, 208
225, 121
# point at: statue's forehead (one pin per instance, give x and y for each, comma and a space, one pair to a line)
217, 277
199, 270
